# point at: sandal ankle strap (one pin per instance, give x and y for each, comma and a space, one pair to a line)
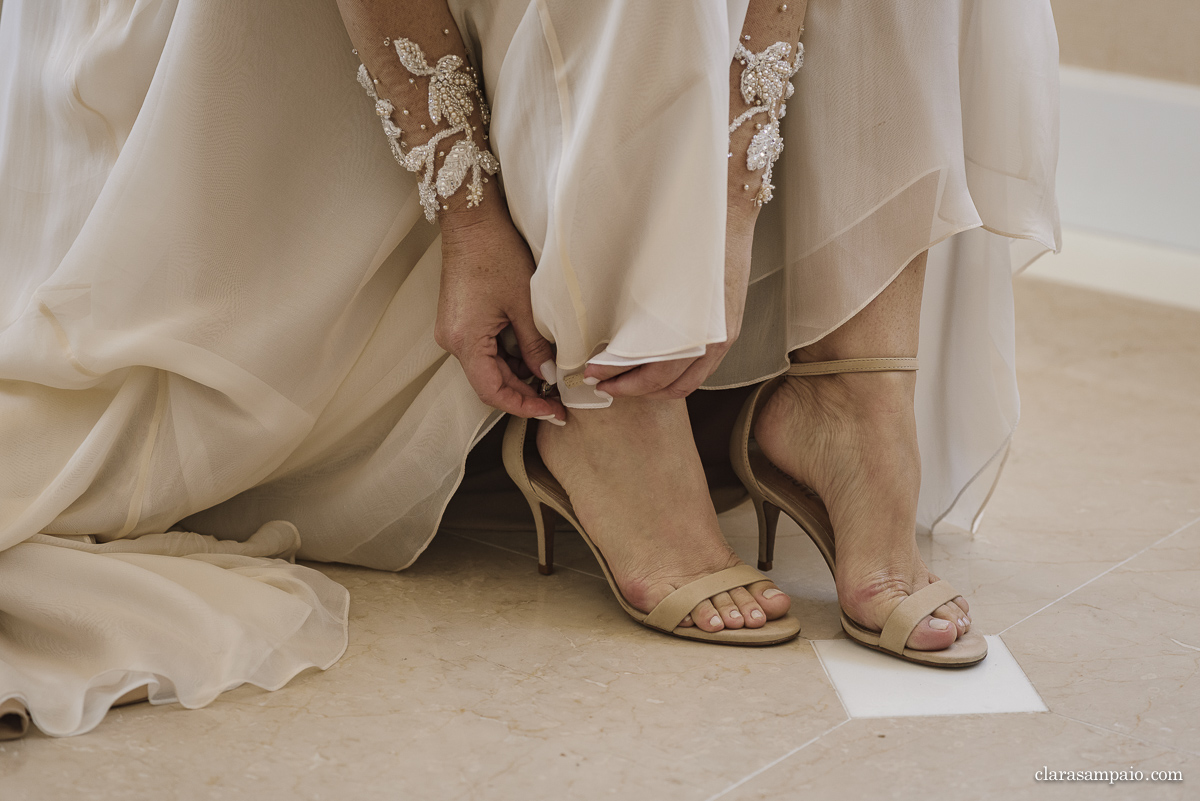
853, 366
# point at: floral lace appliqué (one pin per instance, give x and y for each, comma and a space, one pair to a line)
451, 86
766, 85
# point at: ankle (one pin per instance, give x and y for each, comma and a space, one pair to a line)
884, 398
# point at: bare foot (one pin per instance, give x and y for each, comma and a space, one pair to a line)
852, 438
637, 486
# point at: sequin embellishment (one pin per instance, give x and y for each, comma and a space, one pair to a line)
451, 85
766, 85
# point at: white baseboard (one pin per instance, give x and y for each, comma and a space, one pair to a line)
1125, 267
1129, 161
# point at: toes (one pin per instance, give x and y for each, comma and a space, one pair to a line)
730, 614
687, 621
752, 614
773, 601
706, 618
962, 604
955, 611
950, 613
933, 634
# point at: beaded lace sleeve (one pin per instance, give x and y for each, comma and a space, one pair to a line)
766, 85
453, 92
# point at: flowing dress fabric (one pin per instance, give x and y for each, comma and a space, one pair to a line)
217, 290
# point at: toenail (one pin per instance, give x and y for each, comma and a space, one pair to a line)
939, 624
716, 620
757, 615
735, 613
771, 593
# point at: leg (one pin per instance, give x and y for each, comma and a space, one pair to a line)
638, 487
853, 439
607, 459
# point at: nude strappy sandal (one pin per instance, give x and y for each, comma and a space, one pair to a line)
549, 501
772, 490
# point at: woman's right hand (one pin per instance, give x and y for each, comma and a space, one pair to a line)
486, 267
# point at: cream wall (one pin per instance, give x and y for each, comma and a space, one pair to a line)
1129, 158
1152, 38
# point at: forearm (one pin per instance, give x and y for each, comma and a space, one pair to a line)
749, 184
374, 26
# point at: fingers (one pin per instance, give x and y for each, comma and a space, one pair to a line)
499, 387
695, 375
646, 379
603, 372
535, 349
686, 384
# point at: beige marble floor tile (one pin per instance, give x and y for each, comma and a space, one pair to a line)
1106, 459
468, 676
1124, 651
961, 758
1110, 393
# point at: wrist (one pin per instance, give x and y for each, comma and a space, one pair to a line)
459, 221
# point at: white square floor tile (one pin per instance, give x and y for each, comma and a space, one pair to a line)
875, 685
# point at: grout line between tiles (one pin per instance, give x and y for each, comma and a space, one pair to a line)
519, 553
774, 762
1123, 562
1127, 734
1024, 672
813, 644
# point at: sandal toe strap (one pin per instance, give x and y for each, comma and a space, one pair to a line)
679, 604
911, 611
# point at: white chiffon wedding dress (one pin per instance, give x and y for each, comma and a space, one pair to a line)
217, 290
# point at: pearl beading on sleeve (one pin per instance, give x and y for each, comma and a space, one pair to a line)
766, 85
451, 85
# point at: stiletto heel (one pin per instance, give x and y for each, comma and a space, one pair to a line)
545, 519
549, 501
772, 490
768, 522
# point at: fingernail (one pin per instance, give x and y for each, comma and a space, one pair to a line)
549, 371
591, 380
715, 621
557, 422
735, 613
757, 615
602, 394
771, 593
939, 624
